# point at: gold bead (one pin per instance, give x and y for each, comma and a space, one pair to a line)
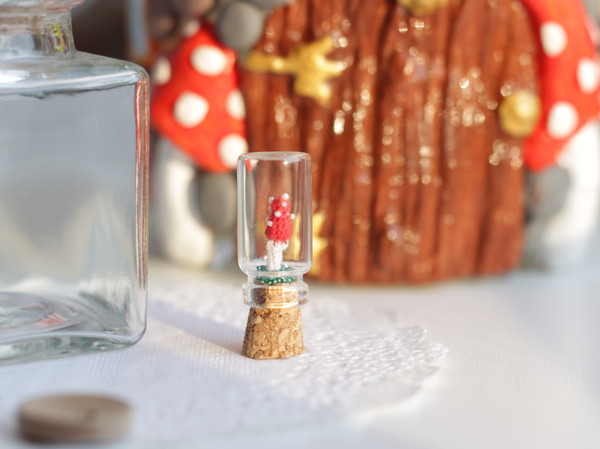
422, 7
519, 113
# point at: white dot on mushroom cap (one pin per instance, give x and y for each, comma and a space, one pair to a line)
209, 60
278, 214
285, 196
269, 223
190, 28
284, 204
587, 75
161, 72
190, 109
562, 120
554, 38
235, 105
230, 149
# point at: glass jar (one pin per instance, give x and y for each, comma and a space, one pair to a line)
274, 227
73, 189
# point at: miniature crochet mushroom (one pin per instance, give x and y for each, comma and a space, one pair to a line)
278, 231
570, 78
196, 102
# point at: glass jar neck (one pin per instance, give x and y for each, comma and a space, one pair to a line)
25, 33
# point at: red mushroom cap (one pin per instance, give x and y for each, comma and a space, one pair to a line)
279, 223
570, 78
197, 104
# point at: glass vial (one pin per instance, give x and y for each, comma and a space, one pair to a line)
73, 189
274, 227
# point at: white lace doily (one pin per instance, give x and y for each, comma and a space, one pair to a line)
354, 360
186, 379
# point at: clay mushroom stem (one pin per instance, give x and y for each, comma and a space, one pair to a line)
278, 231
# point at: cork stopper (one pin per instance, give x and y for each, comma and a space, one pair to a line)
273, 333
275, 297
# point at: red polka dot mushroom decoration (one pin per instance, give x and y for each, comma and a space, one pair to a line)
278, 231
196, 103
569, 75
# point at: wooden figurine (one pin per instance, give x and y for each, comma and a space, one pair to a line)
421, 145
449, 137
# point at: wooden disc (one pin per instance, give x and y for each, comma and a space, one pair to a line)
74, 418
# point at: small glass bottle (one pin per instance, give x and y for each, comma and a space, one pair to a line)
73, 189
274, 249
274, 225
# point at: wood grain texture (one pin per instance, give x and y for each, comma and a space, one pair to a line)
415, 177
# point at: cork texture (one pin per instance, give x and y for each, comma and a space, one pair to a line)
273, 333
275, 297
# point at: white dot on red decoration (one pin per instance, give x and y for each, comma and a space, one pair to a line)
554, 38
235, 105
230, 148
190, 28
285, 196
562, 120
161, 72
278, 214
209, 60
269, 223
283, 204
587, 75
190, 109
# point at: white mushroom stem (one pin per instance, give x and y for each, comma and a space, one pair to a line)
275, 254
560, 238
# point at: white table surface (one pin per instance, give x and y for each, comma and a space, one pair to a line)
523, 369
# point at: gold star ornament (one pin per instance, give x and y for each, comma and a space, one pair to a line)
308, 64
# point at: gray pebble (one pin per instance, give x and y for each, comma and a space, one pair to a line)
547, 191
269, 5
195, 8
240, 25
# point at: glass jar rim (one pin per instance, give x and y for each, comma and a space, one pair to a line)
275, 155
41, 5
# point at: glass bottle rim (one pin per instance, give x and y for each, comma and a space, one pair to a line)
41, 5
275, 155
